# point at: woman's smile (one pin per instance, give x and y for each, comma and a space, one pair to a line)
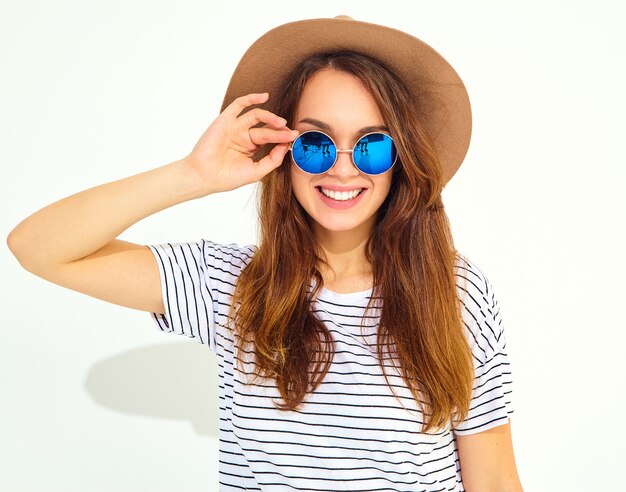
340, 199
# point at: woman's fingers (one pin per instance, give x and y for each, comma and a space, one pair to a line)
242, 102
271, 161
274, 130
264, 135
258, 115
223, 156
255, 115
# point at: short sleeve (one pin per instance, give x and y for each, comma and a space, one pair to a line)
197, 279
491, 404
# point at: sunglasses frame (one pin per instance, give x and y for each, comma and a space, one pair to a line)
338, 151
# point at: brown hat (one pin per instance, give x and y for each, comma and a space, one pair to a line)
439, 93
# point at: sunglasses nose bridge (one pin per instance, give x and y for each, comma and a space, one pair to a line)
352, 166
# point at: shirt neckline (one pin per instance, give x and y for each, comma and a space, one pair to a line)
346, 296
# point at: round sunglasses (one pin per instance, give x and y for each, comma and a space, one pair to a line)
315, 152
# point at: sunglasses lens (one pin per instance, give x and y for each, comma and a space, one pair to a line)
313, 152
375, 153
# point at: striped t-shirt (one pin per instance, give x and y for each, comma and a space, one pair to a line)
352, 433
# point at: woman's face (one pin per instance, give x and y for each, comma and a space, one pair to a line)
339, 104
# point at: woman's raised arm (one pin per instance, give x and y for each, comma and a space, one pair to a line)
72, 242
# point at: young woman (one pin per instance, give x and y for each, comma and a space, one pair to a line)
357, 348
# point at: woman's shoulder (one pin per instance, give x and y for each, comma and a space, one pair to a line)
231, 257
474, 288
470, 276
480, 309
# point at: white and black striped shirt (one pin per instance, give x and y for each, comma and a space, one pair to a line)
352, 433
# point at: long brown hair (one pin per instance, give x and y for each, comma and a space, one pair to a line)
410, 249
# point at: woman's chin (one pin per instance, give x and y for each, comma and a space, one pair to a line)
338, 224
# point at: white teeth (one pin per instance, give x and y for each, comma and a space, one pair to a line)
341, 195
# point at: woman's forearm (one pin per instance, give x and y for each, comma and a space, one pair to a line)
78, 225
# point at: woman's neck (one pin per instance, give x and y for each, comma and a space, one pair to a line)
345, 252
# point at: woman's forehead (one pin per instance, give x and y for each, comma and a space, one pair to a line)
337, 100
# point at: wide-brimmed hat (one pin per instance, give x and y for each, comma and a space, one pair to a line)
439, 93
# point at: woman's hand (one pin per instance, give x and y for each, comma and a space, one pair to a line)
222, 158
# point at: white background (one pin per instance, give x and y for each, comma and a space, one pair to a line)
93, 397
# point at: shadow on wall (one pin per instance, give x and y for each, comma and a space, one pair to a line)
176, 381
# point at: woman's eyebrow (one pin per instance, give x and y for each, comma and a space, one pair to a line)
327, 127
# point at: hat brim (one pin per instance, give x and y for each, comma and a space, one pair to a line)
439, 93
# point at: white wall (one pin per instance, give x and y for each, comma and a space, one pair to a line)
94, 397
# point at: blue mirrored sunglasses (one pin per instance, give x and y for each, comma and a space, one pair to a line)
315, 152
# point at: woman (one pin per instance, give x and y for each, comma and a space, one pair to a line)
357, 349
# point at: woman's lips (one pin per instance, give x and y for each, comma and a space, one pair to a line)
340, 204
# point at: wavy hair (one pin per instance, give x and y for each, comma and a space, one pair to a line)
410, 250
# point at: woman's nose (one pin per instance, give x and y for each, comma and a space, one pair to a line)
344, 165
